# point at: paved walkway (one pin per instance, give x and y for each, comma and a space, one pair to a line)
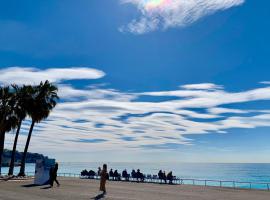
76, 189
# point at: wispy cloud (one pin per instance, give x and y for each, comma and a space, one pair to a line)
156, 14
93, 118
265, 82
22, 75
202, 86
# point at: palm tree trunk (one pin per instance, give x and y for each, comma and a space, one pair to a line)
22, 169
11, 165
2, 142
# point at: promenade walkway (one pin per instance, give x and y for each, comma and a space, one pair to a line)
80, 189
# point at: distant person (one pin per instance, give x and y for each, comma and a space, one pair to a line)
103, 178
91, 174
53, 175
99, 171
133, 174
84, 172
164, 177
111, 174
170, 177
160, 175
125, 175
116, 175
139, 175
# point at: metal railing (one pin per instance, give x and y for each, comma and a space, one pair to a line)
68, 175
179, 181
27, 174
202, 182
224, 183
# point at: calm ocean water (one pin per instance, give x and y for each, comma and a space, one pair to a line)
211, 171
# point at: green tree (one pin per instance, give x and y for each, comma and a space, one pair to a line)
22, 96
43, 100
8, 118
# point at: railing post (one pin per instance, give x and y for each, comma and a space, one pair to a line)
205, 182
250, 186
220, 183
234, 184
193, 182
268, 187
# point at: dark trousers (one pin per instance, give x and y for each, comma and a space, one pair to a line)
52, 179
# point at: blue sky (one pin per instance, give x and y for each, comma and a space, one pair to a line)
178, 82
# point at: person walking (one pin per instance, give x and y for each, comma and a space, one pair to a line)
103, 178
99, 171
53, 175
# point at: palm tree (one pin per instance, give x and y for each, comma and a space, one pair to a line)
8, 118
43, 100
22, 97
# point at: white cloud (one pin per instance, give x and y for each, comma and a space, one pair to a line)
68, 92
202, 86
226, 110
173, 13
265, 82
22, 75
213, 98
120, 121
157, 123
104, 119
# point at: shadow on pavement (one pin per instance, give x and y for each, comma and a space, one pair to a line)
30, 185
99, 196
45, 188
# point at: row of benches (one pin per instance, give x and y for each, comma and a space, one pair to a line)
146, 178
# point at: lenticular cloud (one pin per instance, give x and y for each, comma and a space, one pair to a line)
173, 13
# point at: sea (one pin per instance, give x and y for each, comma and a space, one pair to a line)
240, 172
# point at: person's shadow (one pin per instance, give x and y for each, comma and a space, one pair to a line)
99, 196
46, 187
29, 185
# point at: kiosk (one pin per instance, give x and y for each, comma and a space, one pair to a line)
42, 171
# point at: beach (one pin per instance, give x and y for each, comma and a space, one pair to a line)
80, 189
